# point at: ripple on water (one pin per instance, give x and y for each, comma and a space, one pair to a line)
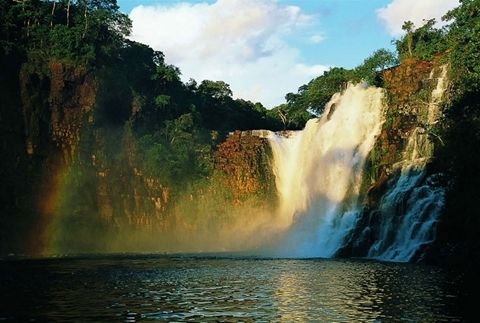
168, 289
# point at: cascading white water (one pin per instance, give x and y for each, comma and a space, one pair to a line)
319, 172
437, 95
410, 208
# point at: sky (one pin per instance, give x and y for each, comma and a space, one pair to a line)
267, 48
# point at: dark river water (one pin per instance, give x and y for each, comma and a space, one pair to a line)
141, 288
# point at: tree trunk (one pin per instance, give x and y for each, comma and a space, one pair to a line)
53, 13
409, 43
283, 117
85, 15
68, 13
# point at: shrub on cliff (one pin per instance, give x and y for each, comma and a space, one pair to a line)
421, 43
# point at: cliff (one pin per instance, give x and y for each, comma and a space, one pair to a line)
243, 161
76, 178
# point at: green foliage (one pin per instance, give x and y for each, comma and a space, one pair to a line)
162, 100
312, 97
463, 118
369, 70
320, 90
80, 32
422, 43
215, 89
178, 153
464, 41
291, 115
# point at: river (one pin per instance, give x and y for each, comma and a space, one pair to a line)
132, 288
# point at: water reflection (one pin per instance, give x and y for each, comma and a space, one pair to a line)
187, 289
362, 292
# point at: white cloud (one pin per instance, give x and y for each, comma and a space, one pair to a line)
394, 14
315, 39
242, 42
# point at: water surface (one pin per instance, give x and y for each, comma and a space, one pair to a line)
140, 288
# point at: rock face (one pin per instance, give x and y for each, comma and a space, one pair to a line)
73, 173
243, 160
408, 89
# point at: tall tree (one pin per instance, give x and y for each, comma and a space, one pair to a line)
409, 27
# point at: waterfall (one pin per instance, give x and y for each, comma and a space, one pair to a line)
319, 172
437, 95
410, 208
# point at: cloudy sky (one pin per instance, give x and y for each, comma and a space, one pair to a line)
267, 48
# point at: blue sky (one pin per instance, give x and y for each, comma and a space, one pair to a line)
267, 48
351, 31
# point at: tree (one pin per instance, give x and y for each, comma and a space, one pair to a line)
369, 70
215, 89
423, 43
320, 90
409, 27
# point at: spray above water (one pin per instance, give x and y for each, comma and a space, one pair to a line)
319, 173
